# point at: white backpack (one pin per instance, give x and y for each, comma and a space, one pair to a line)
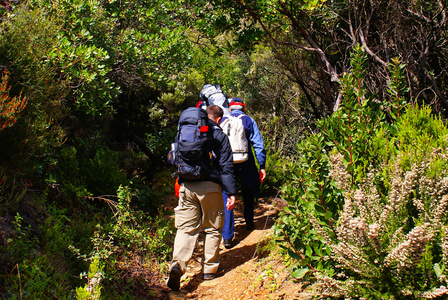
233, 127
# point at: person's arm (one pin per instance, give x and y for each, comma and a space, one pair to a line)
257, 142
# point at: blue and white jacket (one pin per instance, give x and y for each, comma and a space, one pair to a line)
248, 170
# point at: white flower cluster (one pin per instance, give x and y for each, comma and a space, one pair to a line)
329, 287
439, 212
409, 252
445, 245
371, 232
374, 238
436, 293
339, 173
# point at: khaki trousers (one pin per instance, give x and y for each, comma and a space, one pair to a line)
200, 208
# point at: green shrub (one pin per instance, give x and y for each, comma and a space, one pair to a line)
92, 290
66, 174
312, 191
277, 167
38, 277
22, 242
41, 260
102, 173
367, 205
391, 247
129, 231
418, 133
130, 228
86, 171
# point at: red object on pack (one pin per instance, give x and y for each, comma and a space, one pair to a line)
204, 128
176, 188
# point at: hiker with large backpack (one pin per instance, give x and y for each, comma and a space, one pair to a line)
202, 156
244, 135
213, 95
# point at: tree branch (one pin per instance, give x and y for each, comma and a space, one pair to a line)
363, 42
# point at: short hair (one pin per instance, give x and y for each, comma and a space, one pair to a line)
214, 111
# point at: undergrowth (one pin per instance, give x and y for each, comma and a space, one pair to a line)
73, 251
366, 215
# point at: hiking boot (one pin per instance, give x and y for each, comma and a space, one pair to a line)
174, 278
227, 243
210, 276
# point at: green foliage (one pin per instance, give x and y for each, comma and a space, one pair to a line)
103, 175
87, 171
31, 278
181, 92
353, 128
367, 205
418, 133
23, 242
57, 234
78, 55
38, 258
276, 171
391, 246
75, 60
312, 192
26, 37
92, 289
67, 174
397, 88
129, 231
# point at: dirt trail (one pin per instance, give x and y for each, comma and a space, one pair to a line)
248, 273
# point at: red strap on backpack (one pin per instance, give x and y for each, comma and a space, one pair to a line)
176, 187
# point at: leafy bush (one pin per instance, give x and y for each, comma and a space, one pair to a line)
129, 231
66, 173
366, 215
418, 133
102, 173
38, 261
92, 290
276, 172
130, 228
312, 191
391, 246
87, 170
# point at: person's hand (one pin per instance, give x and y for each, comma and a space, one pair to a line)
262, 175
230, 202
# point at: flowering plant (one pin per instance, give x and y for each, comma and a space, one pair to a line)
367, 204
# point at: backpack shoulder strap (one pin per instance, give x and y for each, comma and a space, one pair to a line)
223, 123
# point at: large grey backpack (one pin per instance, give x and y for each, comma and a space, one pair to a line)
213, 95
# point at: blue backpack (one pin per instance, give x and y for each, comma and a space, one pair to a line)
191, 152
